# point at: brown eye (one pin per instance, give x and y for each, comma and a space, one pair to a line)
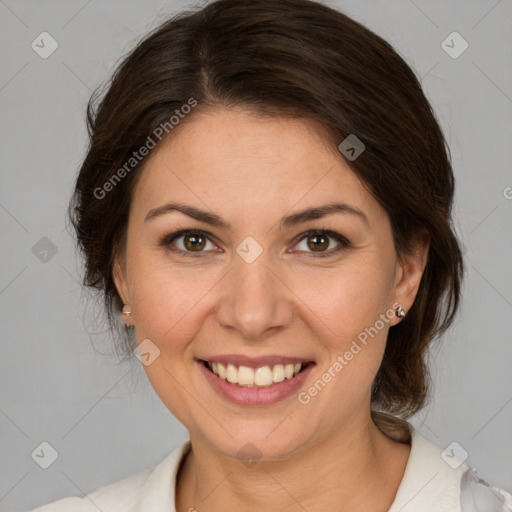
194, 241
320, 240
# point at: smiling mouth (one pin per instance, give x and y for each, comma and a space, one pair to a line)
262, 377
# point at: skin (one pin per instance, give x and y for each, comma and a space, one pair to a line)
252, 171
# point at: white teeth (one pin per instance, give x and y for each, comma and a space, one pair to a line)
288, 370
263, 376
221, 371
259, 377
232, 374
245, 376
278, 373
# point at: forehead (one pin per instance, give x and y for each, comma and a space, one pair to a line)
234, 160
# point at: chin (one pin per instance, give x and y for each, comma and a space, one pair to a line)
251, 445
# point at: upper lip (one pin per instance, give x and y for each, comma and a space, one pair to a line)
255, 362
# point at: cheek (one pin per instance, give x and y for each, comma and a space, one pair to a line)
350, 307
348, 299
167, 299
167, 306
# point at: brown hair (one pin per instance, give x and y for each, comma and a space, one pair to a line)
289, 58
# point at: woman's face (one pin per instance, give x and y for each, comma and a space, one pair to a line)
255, 284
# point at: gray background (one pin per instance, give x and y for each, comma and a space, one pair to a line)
104, 419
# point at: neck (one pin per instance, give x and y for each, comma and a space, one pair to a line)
357, 468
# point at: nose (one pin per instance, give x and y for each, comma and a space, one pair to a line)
255, 301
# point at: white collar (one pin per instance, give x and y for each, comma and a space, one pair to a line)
429, 482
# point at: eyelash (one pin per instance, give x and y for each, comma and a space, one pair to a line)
344, 243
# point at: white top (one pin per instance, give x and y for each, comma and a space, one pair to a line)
429, 484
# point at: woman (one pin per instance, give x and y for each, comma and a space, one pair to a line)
266, 202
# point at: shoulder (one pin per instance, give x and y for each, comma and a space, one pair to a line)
120, 495
131, 494
436, 479
478, 495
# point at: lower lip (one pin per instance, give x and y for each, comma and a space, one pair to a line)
255, 396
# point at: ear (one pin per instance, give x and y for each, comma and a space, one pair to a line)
121, 283
410, 271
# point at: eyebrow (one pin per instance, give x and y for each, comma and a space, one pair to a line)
293, 219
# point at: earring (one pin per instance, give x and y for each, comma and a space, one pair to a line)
400, 312
126, 311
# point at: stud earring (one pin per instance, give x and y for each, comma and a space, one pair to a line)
400, 312
126, 310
